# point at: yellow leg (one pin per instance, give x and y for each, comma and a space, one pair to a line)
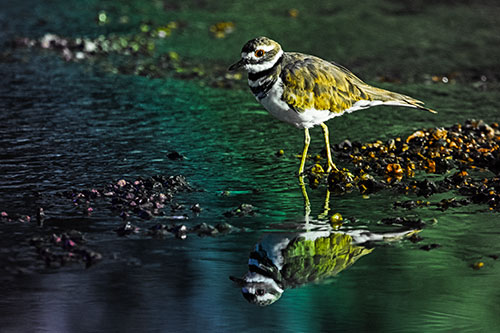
331, 165
307, 203
307, 140
326, 206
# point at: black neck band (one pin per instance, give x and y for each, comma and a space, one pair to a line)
266, 72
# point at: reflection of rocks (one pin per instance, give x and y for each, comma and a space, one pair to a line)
281, 261
59, 250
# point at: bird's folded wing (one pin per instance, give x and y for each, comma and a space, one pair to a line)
311, 82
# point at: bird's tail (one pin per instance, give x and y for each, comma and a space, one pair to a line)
391, 98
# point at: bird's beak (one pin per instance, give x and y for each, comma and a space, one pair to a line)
237, 65
240, 282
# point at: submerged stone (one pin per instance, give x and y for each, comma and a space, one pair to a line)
429, 247
127, 229
241, 211
175, 156
204, 229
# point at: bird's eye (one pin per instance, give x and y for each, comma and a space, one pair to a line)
259, 53
260, 292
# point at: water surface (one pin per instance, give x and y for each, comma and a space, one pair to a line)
71, 125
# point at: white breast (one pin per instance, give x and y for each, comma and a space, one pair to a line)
279, 109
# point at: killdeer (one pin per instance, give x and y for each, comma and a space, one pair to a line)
282, 261
306, 91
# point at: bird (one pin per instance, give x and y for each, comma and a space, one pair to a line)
286, 260
305, 91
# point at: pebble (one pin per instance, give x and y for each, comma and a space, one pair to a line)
143, 197
241, 211
196, 208
175, 156
429, 247
478, 265
127, 229
40, 216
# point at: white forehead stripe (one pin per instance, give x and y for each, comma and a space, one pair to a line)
266, 48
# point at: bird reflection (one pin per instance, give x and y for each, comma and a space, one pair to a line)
311, 253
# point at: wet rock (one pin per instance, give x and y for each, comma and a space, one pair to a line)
6, 218
160, 231
143, 197
174, 206
124, 215
394, 170
336, 221
241, 211
40, 217
127, 229
366, 184
225, 228
196, 208
180, 231
76, 236
452, 202
175, 156
144, 213
415, 238
121, 183
455, 181
478, 265
436, 150
341, 181
90, 257
204, 229
406, 222
411, 204
345, 145
424, 188
24, 219
134, 262
429, 247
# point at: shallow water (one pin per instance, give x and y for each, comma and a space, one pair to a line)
70, 125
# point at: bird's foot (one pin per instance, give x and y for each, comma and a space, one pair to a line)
340, 176
332, 167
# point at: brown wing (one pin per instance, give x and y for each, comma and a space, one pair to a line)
311, 82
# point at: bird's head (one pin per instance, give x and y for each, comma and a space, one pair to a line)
258, 54
258, 289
